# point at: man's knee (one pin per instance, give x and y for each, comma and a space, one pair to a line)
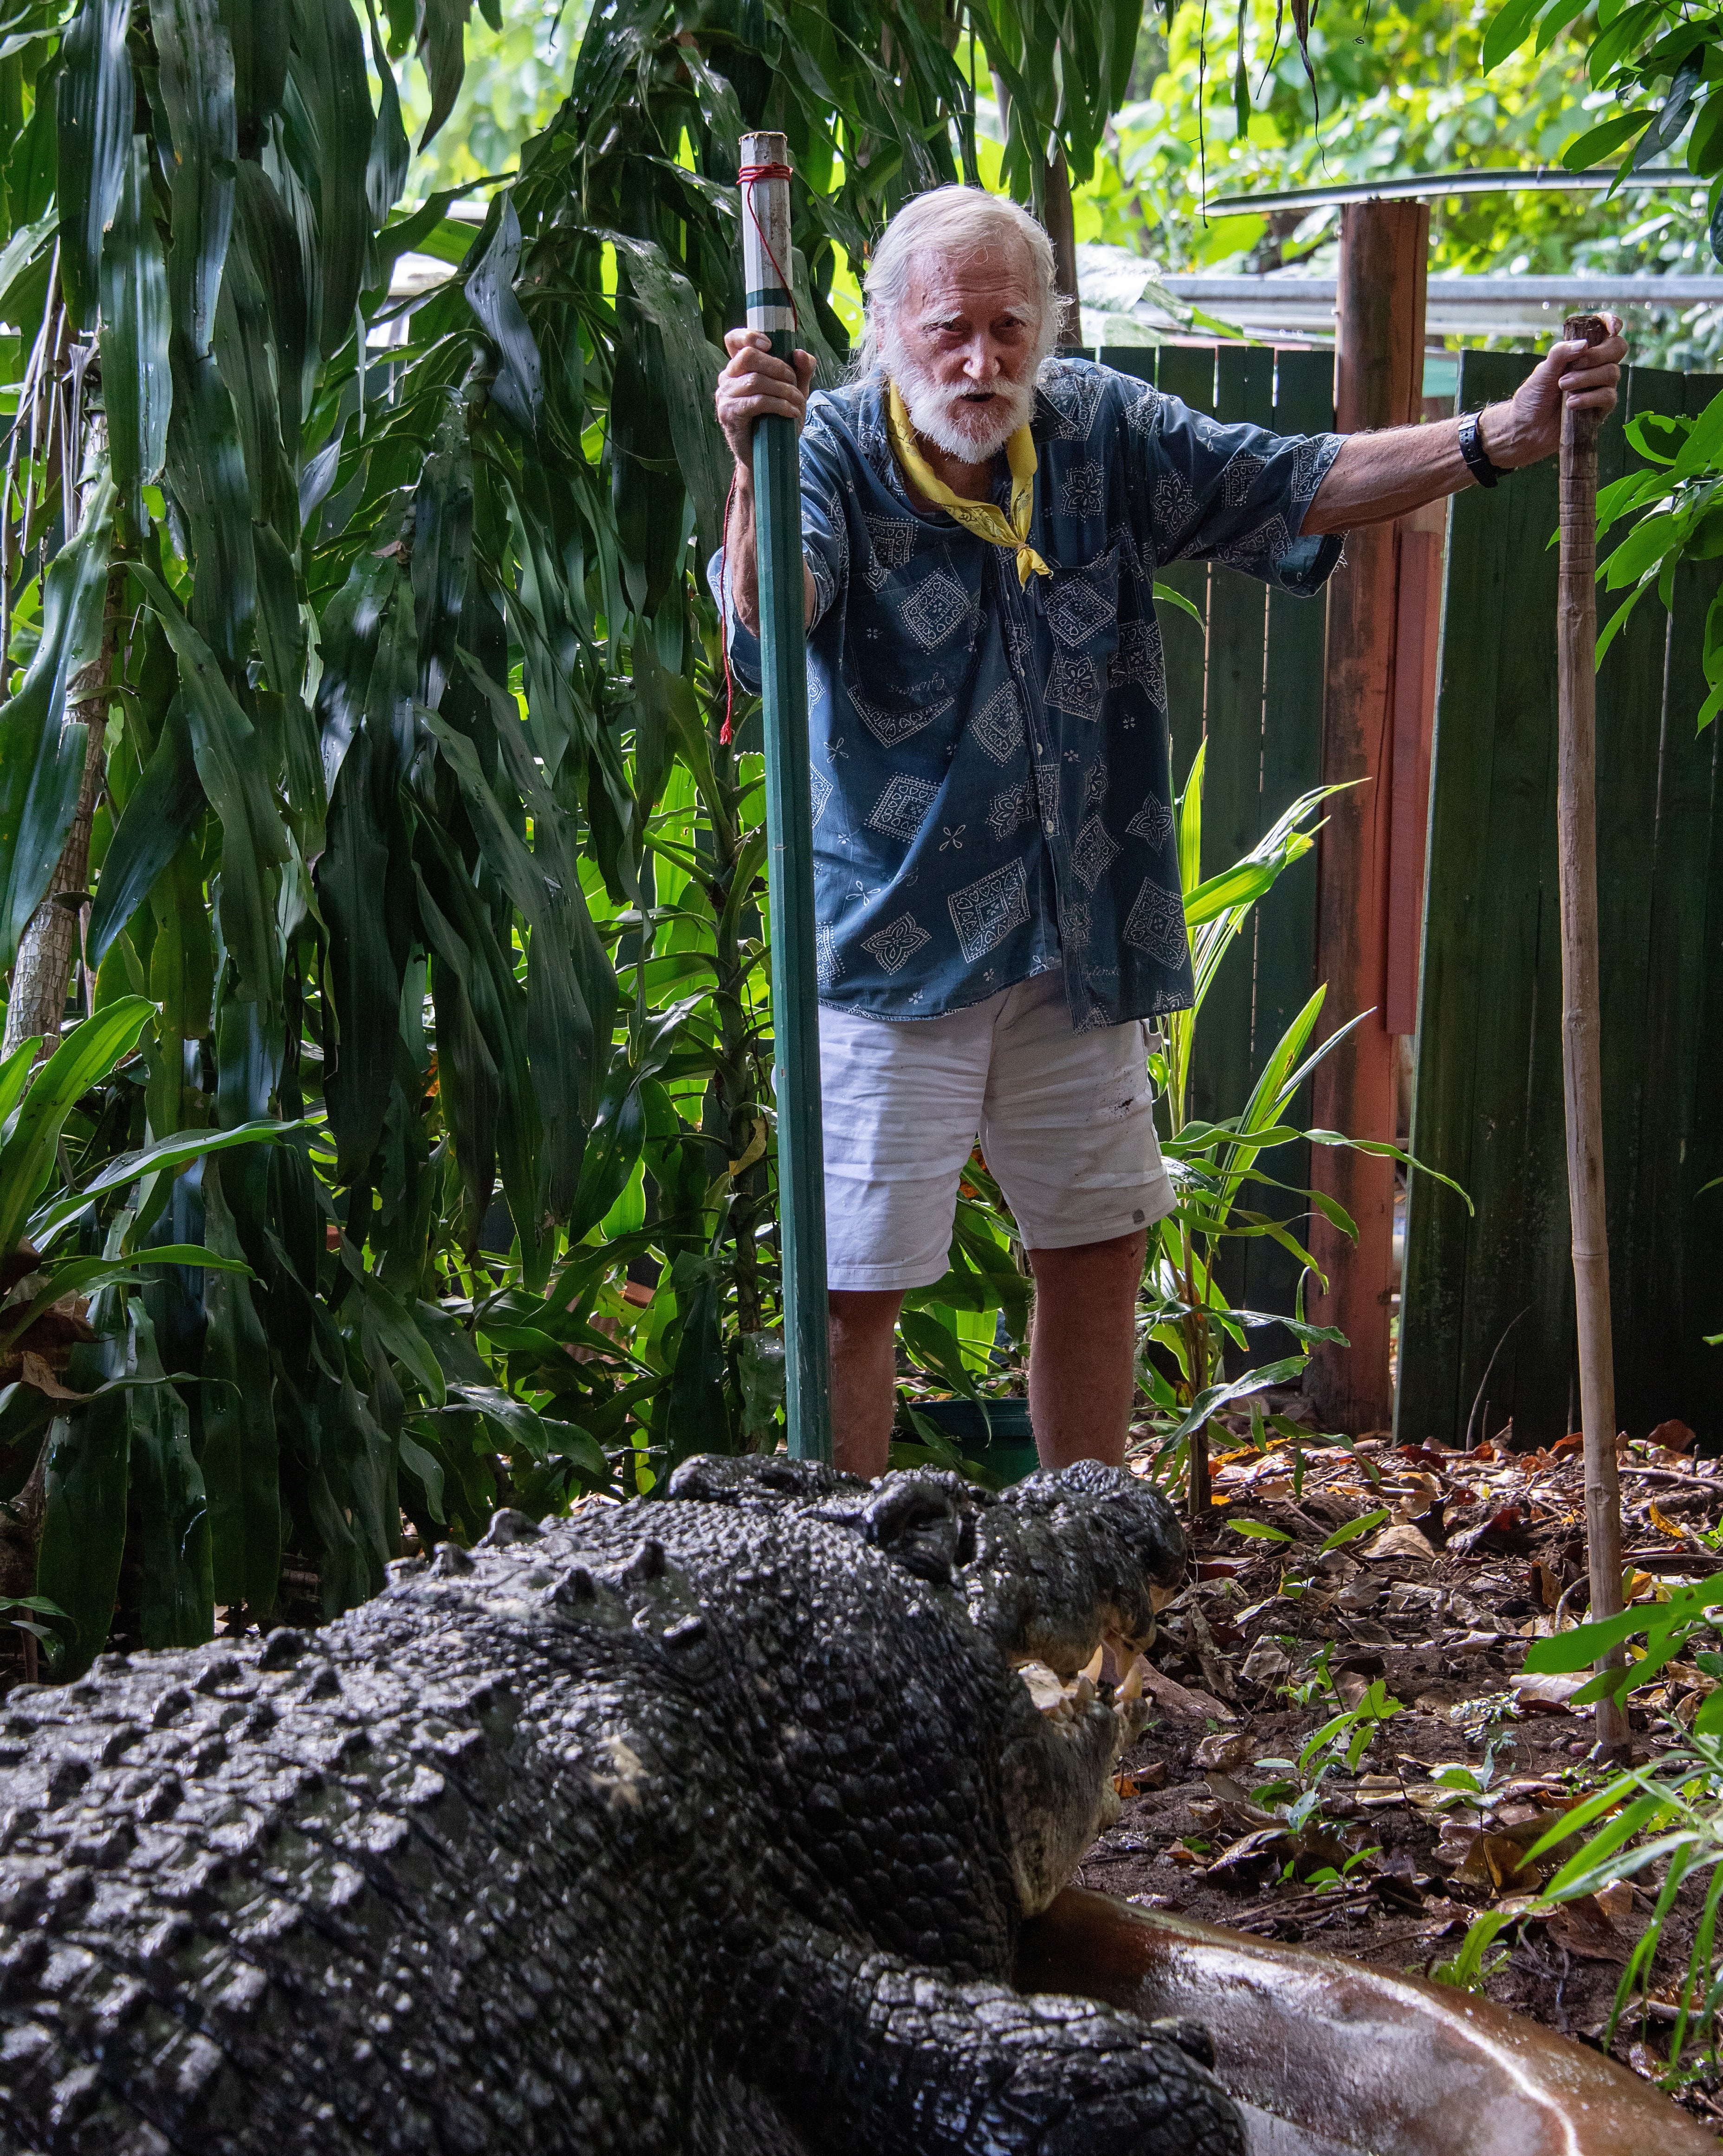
863, 1314
1119, 1257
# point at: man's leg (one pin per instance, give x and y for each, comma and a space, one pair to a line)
1069, 1129
1083, 1348
900, 1102
863, 1337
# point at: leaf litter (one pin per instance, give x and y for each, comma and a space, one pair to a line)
1343, 1748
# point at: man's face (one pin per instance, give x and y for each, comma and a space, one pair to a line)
965, 348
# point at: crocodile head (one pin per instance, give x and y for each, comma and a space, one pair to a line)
1047, 1574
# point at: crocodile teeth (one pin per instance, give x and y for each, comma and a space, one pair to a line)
1065, 1702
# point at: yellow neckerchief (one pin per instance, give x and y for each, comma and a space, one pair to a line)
984, 518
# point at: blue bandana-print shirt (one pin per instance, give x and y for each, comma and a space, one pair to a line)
991, 783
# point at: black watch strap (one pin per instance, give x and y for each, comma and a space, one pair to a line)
1476, 455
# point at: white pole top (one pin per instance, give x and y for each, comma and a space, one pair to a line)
765, 232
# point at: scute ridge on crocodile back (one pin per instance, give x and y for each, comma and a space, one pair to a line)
698, 1825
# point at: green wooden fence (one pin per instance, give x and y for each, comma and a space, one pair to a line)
1250, 680
1493, 1294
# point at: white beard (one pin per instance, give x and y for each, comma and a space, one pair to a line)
972, 431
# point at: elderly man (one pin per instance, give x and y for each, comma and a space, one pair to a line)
995, 875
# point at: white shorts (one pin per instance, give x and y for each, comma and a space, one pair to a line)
1065, 1122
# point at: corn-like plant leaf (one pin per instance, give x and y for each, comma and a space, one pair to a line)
490, 273
682, 365
223, 746
240, 1456
86, 1053
257, 32
92, 1275
328, 146
137, 382
87, 1474
96, 108
158, 819
197, 85
41, 752
206, 469
166, 1157
244, 342
167, 1486
272, 247
442, 49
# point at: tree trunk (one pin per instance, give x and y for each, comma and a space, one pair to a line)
1060, 220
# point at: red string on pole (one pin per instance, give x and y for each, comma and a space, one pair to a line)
724, 611
748, 176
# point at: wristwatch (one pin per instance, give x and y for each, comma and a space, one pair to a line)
1476, 455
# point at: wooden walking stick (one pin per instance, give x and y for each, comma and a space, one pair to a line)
765, 179
1582, 1058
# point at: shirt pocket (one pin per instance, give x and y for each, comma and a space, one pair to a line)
1082, 609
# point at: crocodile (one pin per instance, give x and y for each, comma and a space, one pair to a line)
707, 1822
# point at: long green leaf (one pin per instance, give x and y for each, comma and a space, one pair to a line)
42, 752
518, 388
196, 84
87, 1053
137, 381
241, 1453
87, 1474
95, 107
158, 818
178, 1588
328, 153
234, 776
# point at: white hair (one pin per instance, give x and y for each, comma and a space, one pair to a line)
957, 223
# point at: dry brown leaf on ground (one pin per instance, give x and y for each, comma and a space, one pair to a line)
1166, 1691
1403, 1541
1585, 1929
1547, 1694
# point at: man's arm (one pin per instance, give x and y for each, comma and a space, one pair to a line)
753, 385
1376, 477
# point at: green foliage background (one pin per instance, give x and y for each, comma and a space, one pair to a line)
419, 835
420, 848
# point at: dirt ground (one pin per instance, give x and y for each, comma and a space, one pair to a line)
1438, 1603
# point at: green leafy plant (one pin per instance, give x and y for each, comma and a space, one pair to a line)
1347, 1735
1668, 1814
364, 751
1472, 1964
1216, 1166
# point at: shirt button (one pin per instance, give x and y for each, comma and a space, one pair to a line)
1050, 826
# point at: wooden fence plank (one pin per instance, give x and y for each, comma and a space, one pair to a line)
1488, 1101
1291, 765
1668, 1292
1232, 799
1416, 629
1696, 1053
1631, 752
1186, 372
1518, 1280
1460, 918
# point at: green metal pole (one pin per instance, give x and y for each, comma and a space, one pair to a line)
789, 821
